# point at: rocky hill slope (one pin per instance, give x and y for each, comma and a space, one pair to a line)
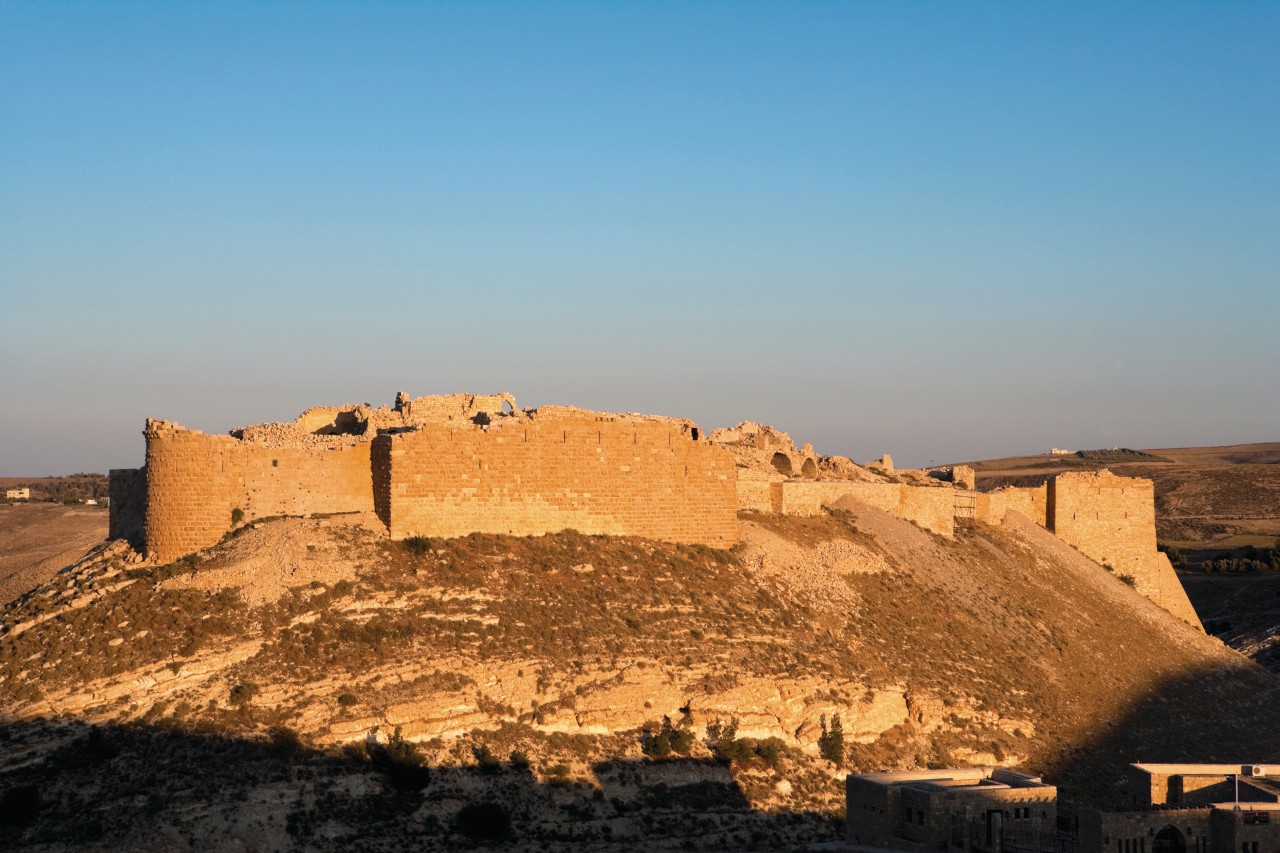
310, 684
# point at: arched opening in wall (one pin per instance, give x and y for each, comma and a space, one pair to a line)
507, 408
1169, 840
781, 463
809, 469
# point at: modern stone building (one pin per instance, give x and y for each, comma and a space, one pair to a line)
1190, 808
977, 808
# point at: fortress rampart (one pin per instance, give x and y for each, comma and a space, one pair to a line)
452, 465
434, 466
564, 468
1113, 520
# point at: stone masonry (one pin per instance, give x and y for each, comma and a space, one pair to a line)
450, 465
434, 466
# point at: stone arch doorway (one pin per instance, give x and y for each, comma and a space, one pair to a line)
781, 463
1169, 840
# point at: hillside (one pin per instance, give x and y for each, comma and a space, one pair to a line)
310, 683
1212, 504
37, 540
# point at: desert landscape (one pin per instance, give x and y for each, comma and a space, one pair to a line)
339, 686
543, 427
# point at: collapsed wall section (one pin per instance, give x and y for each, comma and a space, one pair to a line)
933, 508
195, 481
590, 472
1112, 520
1033, 502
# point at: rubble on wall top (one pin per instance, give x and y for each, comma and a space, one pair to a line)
331, 427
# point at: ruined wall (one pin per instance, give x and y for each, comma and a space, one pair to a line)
561, 469
1031, 502
755, 491
194, 481
931, 508
1112, 520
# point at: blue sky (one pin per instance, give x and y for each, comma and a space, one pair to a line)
944, 231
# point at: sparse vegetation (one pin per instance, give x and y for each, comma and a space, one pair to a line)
244, 693
419, 546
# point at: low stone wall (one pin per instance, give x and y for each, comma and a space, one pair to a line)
1031, 502
931, 508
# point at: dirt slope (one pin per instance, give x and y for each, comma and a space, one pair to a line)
251, 695
37, 540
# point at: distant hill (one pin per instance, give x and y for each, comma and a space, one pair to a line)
73, 487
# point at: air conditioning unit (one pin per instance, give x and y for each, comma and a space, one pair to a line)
1253, 770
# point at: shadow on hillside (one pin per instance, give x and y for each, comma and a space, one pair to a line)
70, 784
1223, 714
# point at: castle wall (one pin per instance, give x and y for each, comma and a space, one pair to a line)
931, 508
1031, 502
590, 472
754, 494
1112, 520
127, 504
194, 481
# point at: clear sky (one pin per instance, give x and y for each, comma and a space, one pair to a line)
940, 230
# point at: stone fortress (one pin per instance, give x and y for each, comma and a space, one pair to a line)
445, 466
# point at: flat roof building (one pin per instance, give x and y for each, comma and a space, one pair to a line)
974, 808
1190, 808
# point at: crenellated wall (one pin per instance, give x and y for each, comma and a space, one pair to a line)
593, 472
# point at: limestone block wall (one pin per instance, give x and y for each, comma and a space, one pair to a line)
591, 472
1113, 520
1031, 502
754, 494
1110, 518
194, 481
931, 508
